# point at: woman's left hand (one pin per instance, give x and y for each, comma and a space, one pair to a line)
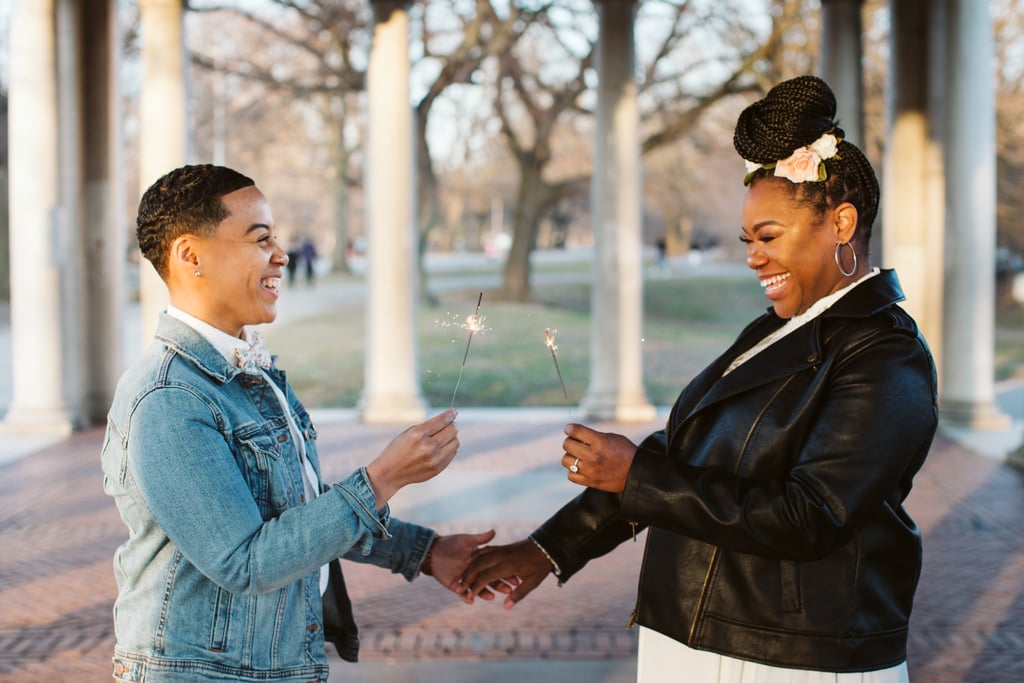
450, 557
600, 460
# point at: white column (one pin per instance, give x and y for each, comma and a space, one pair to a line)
70, 157
616, 388
38, 403
102, 237
391, 392
841, 56
968, 391
163, 137
913, 205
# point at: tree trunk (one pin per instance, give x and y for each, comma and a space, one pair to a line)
339, 188
426, 204
525, 217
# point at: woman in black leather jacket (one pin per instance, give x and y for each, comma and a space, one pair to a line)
778, 548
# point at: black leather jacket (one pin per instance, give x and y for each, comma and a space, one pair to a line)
774, 495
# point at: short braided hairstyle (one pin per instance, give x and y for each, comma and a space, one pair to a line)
185, 201
794, 114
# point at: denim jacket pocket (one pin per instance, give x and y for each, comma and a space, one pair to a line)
261, 460
221, 622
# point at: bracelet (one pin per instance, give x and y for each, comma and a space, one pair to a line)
425, 567
554, 565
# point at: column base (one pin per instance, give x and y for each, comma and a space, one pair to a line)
56, 422
617, 408
981, 428
979, 415
391, 409
1016, 458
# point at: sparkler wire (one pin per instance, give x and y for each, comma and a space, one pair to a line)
550, 341
472, 324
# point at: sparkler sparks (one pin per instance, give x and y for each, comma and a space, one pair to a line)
549, 339
473, 324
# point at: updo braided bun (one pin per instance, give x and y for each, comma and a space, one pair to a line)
794, 114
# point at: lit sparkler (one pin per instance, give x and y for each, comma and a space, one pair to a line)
549, 339
473, 324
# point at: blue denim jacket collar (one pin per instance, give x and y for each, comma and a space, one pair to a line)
187, 342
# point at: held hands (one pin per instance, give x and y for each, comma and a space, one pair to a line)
417, 454
448, 560
514, 569
600, 460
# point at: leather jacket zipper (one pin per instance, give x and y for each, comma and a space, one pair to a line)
703, 596
635, 612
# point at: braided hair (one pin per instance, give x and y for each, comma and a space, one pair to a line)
185, 201
794, 114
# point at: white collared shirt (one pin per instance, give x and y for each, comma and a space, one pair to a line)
815, 309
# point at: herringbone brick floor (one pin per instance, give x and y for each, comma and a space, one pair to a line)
58, 533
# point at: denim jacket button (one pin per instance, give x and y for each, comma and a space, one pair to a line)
313, 627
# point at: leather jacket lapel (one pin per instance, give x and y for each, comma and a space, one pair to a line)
800, 350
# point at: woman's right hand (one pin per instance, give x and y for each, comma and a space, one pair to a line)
514, 569
419, 453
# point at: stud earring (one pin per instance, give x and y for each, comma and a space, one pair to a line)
197, 273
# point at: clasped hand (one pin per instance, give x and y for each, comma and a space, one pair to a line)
594, 459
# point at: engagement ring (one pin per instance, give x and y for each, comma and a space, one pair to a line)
575, 467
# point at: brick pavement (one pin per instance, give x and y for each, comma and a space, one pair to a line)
58, 533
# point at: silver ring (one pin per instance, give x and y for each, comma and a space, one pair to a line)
575, 467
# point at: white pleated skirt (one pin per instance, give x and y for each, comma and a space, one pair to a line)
663, 660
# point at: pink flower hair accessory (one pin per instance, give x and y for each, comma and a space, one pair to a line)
805, 164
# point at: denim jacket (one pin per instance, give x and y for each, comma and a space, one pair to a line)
219, 577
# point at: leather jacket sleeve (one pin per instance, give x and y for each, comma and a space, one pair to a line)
589, 525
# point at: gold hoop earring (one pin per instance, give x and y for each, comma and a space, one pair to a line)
839, 262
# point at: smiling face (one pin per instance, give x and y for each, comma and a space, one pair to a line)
241, 265
791, 246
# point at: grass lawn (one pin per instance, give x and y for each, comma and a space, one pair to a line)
687, 322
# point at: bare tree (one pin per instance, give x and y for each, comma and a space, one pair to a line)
713, 45
478, 34
529, 108
312, 54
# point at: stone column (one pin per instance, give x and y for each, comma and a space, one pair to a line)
912, 182
391, 392
102, 236
968, 391
163, 137
38, 403
616, 390
841, 55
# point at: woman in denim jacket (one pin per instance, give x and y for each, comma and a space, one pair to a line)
230, 570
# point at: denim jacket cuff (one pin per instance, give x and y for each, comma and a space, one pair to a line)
357, 490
